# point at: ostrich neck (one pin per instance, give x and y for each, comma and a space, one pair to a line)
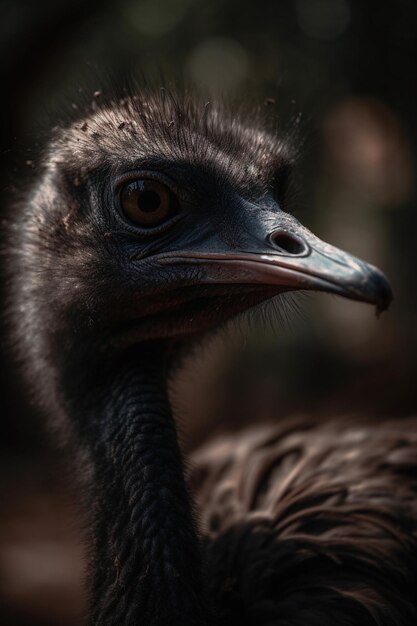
146, 564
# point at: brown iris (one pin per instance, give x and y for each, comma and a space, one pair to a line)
147, 202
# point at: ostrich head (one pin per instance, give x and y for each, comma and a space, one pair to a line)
153, 218
157, 217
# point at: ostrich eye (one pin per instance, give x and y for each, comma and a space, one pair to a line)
147, 202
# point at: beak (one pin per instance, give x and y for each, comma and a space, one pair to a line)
290, 258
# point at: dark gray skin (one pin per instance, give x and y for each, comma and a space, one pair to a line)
104, 299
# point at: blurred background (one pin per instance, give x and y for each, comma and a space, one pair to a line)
345, 72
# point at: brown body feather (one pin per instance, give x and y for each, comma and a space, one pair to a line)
310, 522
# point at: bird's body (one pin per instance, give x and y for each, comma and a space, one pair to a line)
312, 522
155, 218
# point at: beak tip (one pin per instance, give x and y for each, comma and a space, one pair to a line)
381, 291
368, 284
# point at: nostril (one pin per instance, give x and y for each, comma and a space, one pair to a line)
287, 242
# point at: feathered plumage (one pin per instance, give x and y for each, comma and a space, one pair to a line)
312, 522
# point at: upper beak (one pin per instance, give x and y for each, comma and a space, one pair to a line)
292, 257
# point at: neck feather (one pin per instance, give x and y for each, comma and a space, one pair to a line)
145, 561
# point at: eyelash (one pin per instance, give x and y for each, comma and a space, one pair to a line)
135, 174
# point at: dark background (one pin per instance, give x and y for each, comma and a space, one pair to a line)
346, 70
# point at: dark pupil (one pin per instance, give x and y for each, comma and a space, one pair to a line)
149, 201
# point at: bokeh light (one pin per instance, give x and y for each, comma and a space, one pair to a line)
218, 64
323, 19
